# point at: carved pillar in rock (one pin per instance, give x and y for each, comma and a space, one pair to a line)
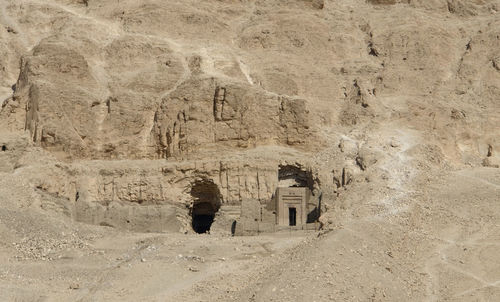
219, 99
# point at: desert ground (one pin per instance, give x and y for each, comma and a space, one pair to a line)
118, 116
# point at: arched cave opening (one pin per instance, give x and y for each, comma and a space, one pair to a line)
207, 200
294, 176
4, 148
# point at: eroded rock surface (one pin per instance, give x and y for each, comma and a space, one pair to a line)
112, 112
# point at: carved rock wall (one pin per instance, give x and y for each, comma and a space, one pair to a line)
127, 194
218, 114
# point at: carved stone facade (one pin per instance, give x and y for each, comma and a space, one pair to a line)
292, 206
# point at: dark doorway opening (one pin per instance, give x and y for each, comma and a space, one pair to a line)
206, 202
202, 223
292, 216
4, 148
233, 228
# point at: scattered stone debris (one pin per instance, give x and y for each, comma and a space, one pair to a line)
48, 249
11, 30
193, 258
457, 114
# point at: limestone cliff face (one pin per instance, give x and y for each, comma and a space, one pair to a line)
217, 114
129, 117
127, 84
152, 95
127, 196
74, 109
158, 182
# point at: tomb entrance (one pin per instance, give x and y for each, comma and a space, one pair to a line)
206, 203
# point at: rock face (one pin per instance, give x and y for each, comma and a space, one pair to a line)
96, 114
157, 195
148, 114
141, 100
217, 115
